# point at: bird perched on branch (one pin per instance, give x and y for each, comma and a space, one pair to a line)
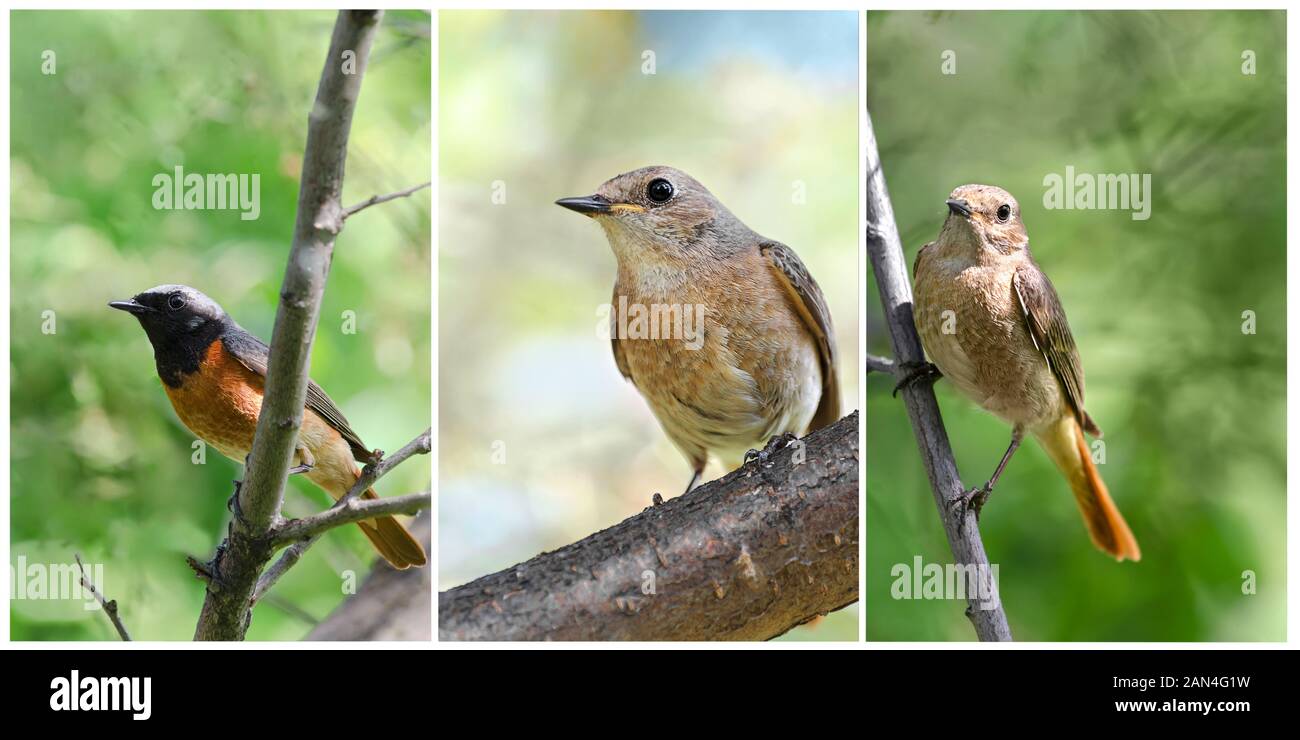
722, 330
992, 323
214, 372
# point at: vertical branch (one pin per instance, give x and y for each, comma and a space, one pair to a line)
226, 607
884, 247
319, 220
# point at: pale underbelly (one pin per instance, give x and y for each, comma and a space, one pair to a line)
717, 407
992, 361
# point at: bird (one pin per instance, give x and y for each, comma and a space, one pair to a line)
992, 324
214, 373
754, 358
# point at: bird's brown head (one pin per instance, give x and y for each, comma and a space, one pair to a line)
660, 214
985, 216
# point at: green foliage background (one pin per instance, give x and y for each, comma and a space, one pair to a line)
1194, 410
100, 463
542, 442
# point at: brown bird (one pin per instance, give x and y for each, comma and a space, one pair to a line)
992, 323
743, 351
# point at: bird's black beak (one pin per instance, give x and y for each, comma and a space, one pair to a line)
959, 206
590, 205
131, 307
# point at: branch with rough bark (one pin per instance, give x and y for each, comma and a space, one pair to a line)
257, 531
749, 556
960, 523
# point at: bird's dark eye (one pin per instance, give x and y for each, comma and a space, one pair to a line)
659, 190
176, 301
1004, 212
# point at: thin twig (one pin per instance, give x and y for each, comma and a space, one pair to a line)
885, 248
287, 560
377, 199
881, 365
369, 475
377, 469
202, 570
110, 605
349, 511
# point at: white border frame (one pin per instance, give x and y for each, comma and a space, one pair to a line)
1293, 446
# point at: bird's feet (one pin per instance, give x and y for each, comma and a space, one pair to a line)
232, 504
972, 499
304, 468
774, 445
916, 372
209, 572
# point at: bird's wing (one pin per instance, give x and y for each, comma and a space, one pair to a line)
613, 339
807, 298
252, 353
1050, 332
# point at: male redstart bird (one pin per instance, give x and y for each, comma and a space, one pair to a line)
992, 323
213, 371
756, 360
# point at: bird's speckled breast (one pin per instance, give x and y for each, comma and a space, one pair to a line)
983, 346
756, 374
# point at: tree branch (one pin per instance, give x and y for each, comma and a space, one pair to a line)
287, 560
369, 476
381, 466
886, 252
881, 365
377, 199
767, 547
349, 511
226, 607
110, 606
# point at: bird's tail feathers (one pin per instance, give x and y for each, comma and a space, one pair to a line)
1065, 444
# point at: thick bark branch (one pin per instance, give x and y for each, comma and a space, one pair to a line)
747, 557
959, 523
235, 570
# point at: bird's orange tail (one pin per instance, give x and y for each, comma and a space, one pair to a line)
1067, 447
391, 540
